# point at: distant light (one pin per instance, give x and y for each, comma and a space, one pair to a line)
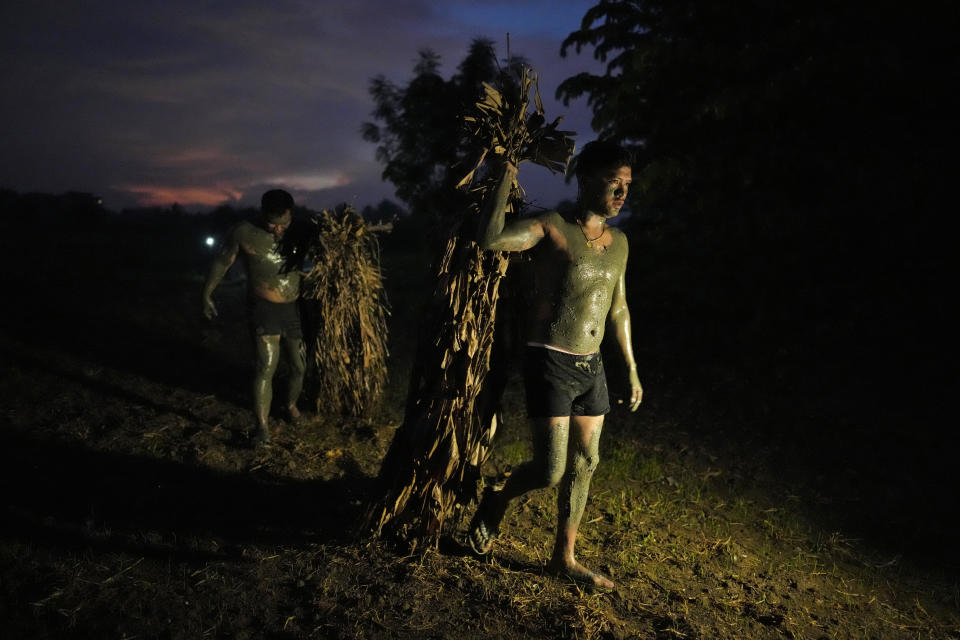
210, 241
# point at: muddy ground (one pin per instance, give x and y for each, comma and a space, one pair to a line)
134, 505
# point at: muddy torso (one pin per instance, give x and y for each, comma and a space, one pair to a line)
572, 285
260, 251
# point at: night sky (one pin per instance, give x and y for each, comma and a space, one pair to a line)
204, 103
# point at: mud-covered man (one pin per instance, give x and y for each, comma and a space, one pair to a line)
272, 302
578, 265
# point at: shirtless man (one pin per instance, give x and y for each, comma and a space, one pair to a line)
578, 286
272, 302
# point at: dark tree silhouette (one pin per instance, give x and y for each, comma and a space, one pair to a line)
419, 132
772, 103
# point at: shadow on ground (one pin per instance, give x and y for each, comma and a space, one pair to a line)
70, 497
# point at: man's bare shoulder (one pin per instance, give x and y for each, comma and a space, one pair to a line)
620, 245
244, 228
550, 219
618, 234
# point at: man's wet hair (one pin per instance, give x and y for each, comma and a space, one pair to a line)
601, 155
275, 202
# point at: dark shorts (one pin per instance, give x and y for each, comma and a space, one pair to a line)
564, 384
274, 318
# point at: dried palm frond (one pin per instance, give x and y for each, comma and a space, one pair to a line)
433, 465
502, 126
346, 309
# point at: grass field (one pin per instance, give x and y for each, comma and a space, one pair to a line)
135, 507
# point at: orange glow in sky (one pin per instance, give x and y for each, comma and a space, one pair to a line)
155, 195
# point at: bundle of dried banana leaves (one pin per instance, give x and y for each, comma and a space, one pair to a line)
345, 310
433, 466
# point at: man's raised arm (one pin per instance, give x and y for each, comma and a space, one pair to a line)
620, 319
218, 269
494, 235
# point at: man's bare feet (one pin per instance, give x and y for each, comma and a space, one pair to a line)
293, 415
579, 573
481, 537
261, 436
485, 526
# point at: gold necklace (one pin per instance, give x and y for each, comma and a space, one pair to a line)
603, 230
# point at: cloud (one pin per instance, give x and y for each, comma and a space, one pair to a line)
313, 182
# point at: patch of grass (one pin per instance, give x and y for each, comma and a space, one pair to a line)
512, 453
626, 463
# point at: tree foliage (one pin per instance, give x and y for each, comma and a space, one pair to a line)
419, 132
784, 101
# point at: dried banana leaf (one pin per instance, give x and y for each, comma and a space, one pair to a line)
346, 309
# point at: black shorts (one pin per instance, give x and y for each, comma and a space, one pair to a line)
274, 318
563, 384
